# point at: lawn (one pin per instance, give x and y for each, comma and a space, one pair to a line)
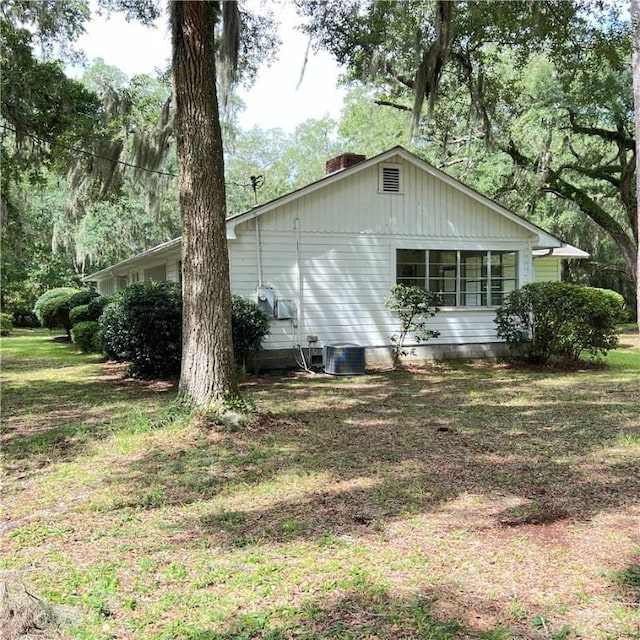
451, 501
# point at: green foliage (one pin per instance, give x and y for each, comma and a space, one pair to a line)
82, 308
143, 325
79, 314
86, 335
414, 307
52, 308
249, 326
97, 305
85, 296
554, 319
6, 323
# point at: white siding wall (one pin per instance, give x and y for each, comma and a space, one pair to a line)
547, 269
107, 286
333, 253
428, 207
344, 238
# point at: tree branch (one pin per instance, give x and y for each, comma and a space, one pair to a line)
395, 105
618, 137
556, 184
598, 173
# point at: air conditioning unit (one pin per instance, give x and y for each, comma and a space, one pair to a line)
344, 359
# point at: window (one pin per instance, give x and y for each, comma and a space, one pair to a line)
157, 274
462, 278
411, 267
390, 179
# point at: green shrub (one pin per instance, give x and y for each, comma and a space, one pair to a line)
84, 296
6, 324
23, 316
143, 325
249, 326
96, 306
618, 304
86, 335
554, 319
79, 314
52, 308
414, 306
92, 310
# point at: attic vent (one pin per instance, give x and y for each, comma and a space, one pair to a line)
390, 179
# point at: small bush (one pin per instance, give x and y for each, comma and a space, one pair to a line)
84, 296
97, 305
87, 336
143, 325
249, 326
554, 319
91, 310
52, 308
23, 316
414, 306
6, 324
79, 314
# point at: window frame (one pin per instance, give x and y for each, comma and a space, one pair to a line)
487, 292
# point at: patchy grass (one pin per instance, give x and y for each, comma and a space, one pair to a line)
453, 501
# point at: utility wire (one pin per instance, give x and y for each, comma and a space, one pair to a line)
88, 153
256, 181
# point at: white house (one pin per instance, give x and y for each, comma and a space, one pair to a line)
321, 260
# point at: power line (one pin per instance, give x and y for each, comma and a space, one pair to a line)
256, 181
89, 153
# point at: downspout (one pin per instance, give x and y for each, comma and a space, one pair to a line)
299, 292
259, 251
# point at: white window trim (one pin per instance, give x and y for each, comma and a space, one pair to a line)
445, 246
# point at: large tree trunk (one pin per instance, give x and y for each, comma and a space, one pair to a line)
635, 17
207, 373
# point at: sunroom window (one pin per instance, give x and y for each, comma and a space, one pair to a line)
462, 278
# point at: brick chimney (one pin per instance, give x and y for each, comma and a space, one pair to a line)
343, 161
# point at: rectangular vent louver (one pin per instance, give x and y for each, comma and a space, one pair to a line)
391, 179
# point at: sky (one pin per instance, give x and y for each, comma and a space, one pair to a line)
272, 102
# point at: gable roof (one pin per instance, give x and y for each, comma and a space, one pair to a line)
545, 241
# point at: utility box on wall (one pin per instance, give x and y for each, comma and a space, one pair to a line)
285, 309
267, 300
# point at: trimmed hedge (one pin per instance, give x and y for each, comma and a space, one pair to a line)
87, 336
249, 326
143, 325
79, 314
92, 310
52, 308
546, 320
97, 305
84, 296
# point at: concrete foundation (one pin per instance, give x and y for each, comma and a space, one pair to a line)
379, 356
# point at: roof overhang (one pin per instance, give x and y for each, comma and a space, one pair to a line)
564, 251
120, 269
